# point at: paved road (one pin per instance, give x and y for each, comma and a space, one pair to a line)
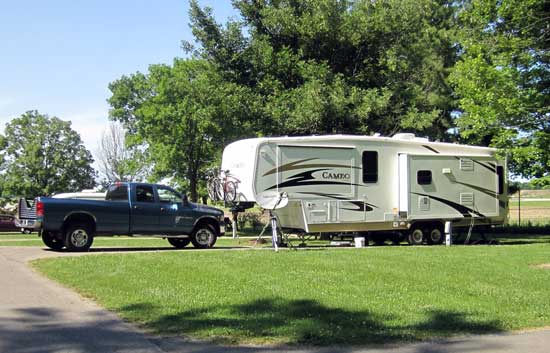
37, 315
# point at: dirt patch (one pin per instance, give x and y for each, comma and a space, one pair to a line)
530, 213
533, 194
544, 266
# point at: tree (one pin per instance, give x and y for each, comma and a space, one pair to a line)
118, 161
42, 156
185, 113
337, 66
503, 80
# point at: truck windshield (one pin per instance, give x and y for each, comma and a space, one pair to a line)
117, 193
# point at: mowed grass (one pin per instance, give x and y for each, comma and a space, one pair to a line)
531, 203
320, 297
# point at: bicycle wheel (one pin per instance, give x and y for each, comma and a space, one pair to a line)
230, 191
212, 189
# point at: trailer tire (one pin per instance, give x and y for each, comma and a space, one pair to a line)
204, 236
52, 242
78, 237
179, 243
416, 236
435, 235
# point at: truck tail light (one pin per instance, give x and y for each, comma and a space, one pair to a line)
39, 209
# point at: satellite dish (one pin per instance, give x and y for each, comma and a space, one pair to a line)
272, 200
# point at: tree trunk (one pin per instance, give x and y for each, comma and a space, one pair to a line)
193, 186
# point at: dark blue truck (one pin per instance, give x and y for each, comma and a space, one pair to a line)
128, 209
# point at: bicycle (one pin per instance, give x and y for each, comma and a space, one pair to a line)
222, 186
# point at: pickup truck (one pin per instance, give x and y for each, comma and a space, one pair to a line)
128, 209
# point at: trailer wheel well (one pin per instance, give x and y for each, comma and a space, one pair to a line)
428, 224
80, 218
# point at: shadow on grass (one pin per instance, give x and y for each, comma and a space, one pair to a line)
304, 322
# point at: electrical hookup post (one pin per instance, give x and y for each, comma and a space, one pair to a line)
448, 233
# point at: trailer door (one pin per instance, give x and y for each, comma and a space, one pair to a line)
403, 194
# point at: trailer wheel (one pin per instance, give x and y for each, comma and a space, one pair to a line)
179, 243
51, 241
436, 235
204, 236
78, 237
416, 236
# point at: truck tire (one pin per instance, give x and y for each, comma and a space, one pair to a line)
78, 237
179, 243
416, 236
52, 242
204, 236
435, 235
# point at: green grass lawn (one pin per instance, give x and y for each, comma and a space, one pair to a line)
529, 203
321, 297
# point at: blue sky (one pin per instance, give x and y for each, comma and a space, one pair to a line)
58, 56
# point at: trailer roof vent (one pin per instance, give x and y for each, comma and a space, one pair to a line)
404, 136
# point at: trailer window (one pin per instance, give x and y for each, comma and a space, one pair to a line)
117, 192
370, 167
500, 173
424, 177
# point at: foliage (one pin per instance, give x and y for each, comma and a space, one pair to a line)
184, 113
331, 297
503, 80
117, 160
337, 66
43, 156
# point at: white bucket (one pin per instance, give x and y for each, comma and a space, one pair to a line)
359, 242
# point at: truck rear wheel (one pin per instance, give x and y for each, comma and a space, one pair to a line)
78, 237
179, 243
204, 236
51, 241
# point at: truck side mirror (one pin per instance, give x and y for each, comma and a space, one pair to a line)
185, 200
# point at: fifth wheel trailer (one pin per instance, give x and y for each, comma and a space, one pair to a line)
343, 183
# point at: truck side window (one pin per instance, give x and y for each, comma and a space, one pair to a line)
424, 177
370, 166
117, 192
144, 193
168, 196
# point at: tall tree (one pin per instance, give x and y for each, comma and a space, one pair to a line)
118, 160
42, 156
503, 80
185, 113
338, 66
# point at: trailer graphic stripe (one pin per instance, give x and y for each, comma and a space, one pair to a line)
492, 193
465, 211
489, 166
306, 178
485, 166
431, 149
294, 166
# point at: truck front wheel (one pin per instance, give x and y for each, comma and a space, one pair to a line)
78, 237
204, 236
51, 241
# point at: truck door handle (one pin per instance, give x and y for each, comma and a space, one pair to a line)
162, 209
137, 207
